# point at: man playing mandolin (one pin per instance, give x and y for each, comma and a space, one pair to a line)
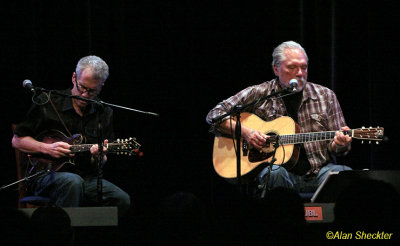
315, 108
52, 114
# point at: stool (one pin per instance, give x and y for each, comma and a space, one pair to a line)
36, 201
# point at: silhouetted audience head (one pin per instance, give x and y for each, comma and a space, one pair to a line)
277, 219
51, 226
368, 204
14, 226
181, 220
285, 207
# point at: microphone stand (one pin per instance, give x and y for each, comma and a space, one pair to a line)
95, 101
271, 164
237, 110
100, 153
38, 174
100, 140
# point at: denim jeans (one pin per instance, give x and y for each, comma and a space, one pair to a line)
71, 190
281, 177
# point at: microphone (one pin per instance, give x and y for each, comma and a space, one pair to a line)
293, 84
27, 84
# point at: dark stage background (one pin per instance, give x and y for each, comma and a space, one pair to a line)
180, 58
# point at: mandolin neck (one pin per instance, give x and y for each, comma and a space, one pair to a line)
86, 147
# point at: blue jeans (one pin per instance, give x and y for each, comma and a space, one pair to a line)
71, 190
281, 177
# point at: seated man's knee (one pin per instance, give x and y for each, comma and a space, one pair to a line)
123, 202
279, 170
276, 173
70, 179
279, 176
338, 168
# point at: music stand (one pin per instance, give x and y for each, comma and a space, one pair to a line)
337, 182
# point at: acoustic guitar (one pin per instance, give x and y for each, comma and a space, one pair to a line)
284, 134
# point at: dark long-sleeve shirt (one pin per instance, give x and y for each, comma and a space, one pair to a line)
42, 118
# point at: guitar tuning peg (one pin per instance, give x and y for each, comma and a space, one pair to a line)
369, 142
362, 142
377, 142
118, 140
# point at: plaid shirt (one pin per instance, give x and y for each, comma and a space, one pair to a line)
319, 111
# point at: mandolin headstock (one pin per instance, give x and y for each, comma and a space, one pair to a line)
128, 146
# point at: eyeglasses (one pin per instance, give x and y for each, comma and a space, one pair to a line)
82, 89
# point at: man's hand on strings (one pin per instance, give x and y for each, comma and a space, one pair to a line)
341, 140
58, 149
254, 138
94, 150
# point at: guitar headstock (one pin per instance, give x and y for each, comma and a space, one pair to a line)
127, 146
368, 133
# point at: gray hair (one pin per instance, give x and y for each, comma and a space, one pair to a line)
98, 66
278, 56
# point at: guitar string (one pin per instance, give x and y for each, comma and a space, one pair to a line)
307, 137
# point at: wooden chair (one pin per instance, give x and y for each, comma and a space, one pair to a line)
25, 201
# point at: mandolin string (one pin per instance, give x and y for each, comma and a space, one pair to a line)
85, 147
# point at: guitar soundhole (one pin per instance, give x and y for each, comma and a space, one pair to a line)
273, 138
257, 156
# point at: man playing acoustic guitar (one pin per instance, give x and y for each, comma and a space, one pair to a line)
315, 108
62, 114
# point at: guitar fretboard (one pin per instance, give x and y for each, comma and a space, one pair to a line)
307, 137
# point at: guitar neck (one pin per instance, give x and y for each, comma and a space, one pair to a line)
308, 137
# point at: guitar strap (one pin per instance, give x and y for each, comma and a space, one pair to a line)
59, 117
